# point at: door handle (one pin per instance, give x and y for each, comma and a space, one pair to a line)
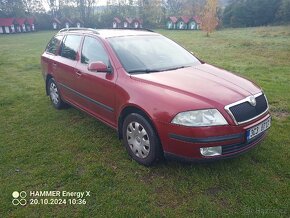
78, 73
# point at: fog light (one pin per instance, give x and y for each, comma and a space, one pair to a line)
211, 151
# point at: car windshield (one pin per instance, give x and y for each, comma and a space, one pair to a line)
148, 54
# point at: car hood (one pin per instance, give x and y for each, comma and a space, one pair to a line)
205, 82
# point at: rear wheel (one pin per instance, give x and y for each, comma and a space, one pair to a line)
55, 95
140, 139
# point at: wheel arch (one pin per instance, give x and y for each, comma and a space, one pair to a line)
133, 109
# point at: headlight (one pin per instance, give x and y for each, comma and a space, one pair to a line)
209, 117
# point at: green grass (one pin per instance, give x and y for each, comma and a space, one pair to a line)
45, 149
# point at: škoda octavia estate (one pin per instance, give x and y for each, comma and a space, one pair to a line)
159, 97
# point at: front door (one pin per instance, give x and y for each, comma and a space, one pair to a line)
97, 88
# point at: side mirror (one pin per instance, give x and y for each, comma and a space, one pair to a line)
99, 66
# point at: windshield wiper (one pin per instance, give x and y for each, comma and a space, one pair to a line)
143, 71
175, 68
140, 71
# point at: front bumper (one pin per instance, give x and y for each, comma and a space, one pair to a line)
237, 149
178, 142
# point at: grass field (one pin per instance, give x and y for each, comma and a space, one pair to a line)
44, 149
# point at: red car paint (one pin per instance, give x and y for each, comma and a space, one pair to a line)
161, 96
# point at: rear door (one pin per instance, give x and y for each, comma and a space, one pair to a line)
97, 89
50, 53
65, 67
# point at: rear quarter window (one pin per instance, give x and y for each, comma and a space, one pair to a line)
54, 44
70, 46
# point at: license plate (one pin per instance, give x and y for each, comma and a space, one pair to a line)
257, 130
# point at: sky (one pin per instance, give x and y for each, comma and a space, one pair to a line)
101, 2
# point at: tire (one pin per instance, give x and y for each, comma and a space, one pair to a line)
141, 140
54, 95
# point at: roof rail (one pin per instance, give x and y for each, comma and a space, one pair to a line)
148, 30
78, 29
140, 29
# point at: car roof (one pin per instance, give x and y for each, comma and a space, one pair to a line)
109, 33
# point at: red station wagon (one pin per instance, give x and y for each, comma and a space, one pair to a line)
161, 99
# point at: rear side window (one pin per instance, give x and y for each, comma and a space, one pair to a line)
93, 51
70, 46
53, 44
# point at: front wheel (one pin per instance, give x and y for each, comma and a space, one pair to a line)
140, 140
54, 94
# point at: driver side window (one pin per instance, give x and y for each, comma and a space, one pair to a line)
93, 51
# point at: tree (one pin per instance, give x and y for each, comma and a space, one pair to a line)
12, 8
174, 7
248, 13
198, 7
53, 7
41, 21
86, 8
209, 17
283, 13
193, 7
183, 7
32, 6
152, 13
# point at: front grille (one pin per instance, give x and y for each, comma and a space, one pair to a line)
245, 111
228, 149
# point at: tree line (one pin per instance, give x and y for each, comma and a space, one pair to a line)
228, 13
249, 13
